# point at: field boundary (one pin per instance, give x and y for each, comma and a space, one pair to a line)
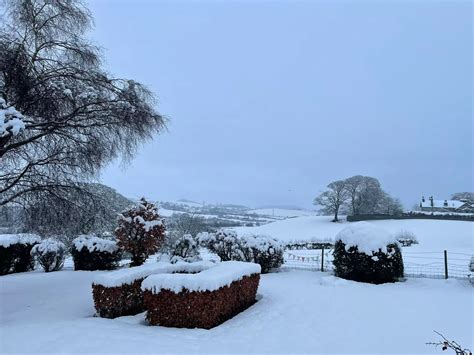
448, 217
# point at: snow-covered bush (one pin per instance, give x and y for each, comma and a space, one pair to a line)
15, 252
471, 264
185, 249
225, 243
92, 253
263, 250
366, 253
141, 231
50, 254
406, 238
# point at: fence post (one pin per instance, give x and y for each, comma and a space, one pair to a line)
445, 264
322, 259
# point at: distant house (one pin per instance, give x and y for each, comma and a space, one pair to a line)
432, 205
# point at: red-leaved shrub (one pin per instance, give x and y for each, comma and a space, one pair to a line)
141, 231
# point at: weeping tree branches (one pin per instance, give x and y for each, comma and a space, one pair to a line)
62, 117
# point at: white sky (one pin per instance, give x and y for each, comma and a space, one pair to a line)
269, 101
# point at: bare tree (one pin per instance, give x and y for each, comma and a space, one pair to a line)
365, 194
353, 186
446, 344
62, 117
333, 199
463, 196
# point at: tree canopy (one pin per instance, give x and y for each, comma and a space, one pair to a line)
62, 116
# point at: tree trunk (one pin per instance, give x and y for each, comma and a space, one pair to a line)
335, 215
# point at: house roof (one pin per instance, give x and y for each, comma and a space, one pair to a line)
440, 203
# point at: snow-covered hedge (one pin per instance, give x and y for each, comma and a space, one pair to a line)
225, 243
92, 253
307, 244
15, 252
263, 250
185, 249
118, 293
129, 275
50, 254
363, 252
406, 238
202, 300
260, 249
211, 279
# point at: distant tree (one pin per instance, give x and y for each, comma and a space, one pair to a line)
353, 186
366, 196
141, 231
390, 205
469, 196
62, 116
333, 198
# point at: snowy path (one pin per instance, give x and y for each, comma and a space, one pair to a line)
299, 311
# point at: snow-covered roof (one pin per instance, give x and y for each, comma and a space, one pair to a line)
440, 203
223, 274
366, 237
130, 275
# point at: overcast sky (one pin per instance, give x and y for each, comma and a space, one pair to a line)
269, 101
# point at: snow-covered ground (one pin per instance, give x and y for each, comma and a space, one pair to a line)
297, 311
423, 259
435, 234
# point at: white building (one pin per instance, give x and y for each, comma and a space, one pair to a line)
432, 205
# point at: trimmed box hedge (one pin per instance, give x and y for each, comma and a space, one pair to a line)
119, 293
204, 300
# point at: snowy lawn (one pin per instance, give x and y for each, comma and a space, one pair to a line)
298, 311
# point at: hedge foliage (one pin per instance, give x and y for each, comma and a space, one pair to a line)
380, 267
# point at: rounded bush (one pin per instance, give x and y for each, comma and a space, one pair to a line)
185, 249
365, 253
260, 249
263, 250
15, 252
50, 254
93, 253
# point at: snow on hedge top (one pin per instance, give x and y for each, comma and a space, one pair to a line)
23, 238
130, 275
48, 246
366, 237
94, 243
223, 274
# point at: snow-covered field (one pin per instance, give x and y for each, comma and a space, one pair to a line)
432, 234
281, 212
297, 311
425, 258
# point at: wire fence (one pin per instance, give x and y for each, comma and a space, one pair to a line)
429, 264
